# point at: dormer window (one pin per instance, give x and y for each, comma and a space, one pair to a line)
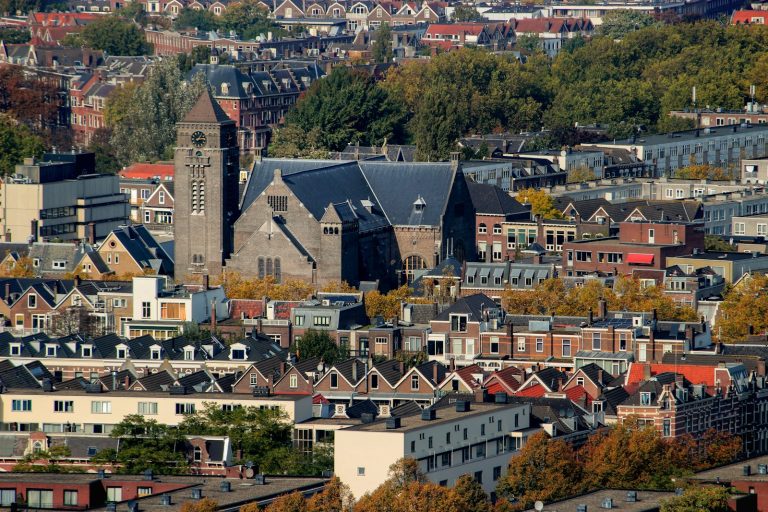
155, 353
50, 350
121, 353
238, 354
419, 204
87, 351
189, 354
15, 349
645, 398
459, 323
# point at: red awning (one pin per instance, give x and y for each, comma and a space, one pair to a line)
640, 259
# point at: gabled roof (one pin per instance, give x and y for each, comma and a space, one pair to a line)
535, 391
490, 199
472, 306
207, 110
696, 374
389, 371
148, 171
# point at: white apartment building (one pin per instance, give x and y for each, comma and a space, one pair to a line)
476, 439
721, 146
161, 311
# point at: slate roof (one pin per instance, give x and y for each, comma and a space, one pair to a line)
345, 368
490, 199
18, 377
143, 248
159, 381
362, 407
389, 370
471, 305
206, 110
427, 370
48, 252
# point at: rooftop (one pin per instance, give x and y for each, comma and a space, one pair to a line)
687, 135
646, 501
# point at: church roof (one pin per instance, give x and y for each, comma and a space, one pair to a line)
206, 110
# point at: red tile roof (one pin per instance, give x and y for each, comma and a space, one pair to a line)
579, 395
695, 374
246, 308
319, 399
747, 17
148, 171
466, 373
535, 391
63, 19
455, 28
503, 381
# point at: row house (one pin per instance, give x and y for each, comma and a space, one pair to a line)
127, 251
639, 245
684, 288
88, 100
493, 207
514, 173
290, 9
47, 28
139, 181
494, 36
552, 32
257, 100
493, 279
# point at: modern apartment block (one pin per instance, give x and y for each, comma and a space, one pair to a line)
60, 197
450, 441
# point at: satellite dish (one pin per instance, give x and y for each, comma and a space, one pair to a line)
539, 505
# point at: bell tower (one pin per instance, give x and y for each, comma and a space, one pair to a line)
206, 165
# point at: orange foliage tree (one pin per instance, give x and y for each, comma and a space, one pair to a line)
21, 268
239, 287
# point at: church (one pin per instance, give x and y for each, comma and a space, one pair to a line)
315, 220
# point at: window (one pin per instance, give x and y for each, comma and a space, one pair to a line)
39, 498
566, 347
146, 310
667, 428
321, 321
496, 473
50, 350
147, 216
101, 407
70, 498
497, 229
161, 197
59, 264
411, 265
334, 380
278, 203
155, 353
596, 344
494, 345
414, 382
32, 301
482, 228
120, 353
645, 398
115, 494
738, 228
293, 381
147, 408
7, 497
298, 320
459, 323
539, 344
381, 340
185, 408
521, 344
173, 311
238, 354
86, 351
374, 381
144, 491
360, 471
63, 406
21, 405
430, 443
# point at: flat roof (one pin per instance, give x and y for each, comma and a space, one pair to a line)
735, 471
443, 415
155, 394
613, 241
722, 256
646, 501
685, 136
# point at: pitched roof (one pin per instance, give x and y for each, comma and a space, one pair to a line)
472, 305
535, 391
206, 110
491, 199
148, 171
696, 374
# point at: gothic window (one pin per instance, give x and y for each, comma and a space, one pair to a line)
278, 203
269, 266
194, 196
277, 270
261, 267
412, 264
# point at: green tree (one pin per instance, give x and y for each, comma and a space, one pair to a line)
382, 46
319, 344
146, 128
16, 143
347, 106
581, 174
10, 35
705, 498
717, 244
293, 142
194, 18
113, 35
529, 43
617, 24
101, 147
248, 19
464, 13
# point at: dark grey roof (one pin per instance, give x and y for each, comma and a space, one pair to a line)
219, 75
389, 370
159, 381
362, 407
613, 397
206, 110
491, 199
406, 409
430, 182
472, 306
18, 377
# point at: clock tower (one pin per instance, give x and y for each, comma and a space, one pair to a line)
206, 189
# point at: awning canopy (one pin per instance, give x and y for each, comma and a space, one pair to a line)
640, 259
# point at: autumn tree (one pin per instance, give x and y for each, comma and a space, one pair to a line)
249, 19
337, 286
203, 505
544, 469
336, 497
75, 320
703, 172
716, 243
704, 498
238, 287
407, 489
469, 495
23, 267
743, 307
580, 174
294, 502
542, 204
386, 305
381, 49
29, 101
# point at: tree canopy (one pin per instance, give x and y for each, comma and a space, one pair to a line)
744, 306
463, 13
113, 35
620, 22
707, 498
16, 143
315, 343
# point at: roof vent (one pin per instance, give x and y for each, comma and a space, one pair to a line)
393, 423
225, 486
428, 414
462, 406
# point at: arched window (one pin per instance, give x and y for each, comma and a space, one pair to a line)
261, 267
278, 271
37, 447
497, 229
482, 228
412, 264
269, 266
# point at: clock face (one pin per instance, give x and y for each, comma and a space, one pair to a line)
198, 139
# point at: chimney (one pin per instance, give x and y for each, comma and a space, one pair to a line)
282, 368
537, 259
689, 335
92, 232
7, 296
434, 372
77, 280
453, 364
455, 157
213, 316
591, 316
127, 382
646, 371
206, 282
599, 377
354, 372
652, 338
602, 306
402, 368
761, 367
